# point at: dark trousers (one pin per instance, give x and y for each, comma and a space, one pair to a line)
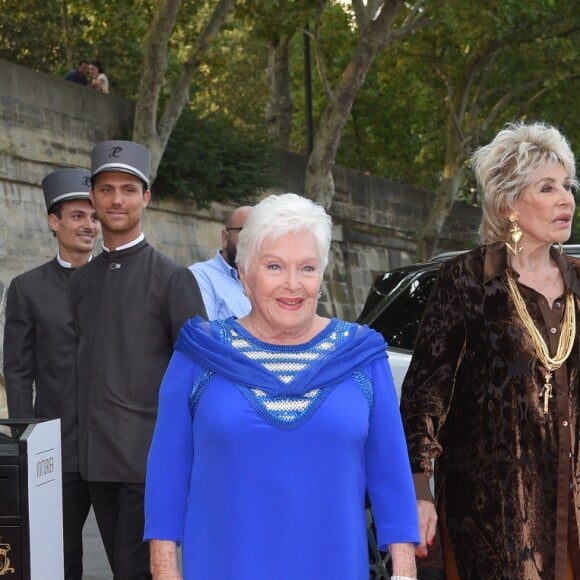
120, 514
76, 504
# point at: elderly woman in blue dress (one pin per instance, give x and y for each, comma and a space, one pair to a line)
272, 428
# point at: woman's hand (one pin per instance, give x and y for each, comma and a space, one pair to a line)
167, 575
164, 560
427, 526
403, 557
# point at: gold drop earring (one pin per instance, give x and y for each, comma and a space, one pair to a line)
515, 234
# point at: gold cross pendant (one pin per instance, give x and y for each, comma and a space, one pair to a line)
546, 391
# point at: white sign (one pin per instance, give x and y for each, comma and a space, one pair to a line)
45, 500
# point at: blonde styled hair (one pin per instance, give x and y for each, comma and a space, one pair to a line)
278, 215
505, 167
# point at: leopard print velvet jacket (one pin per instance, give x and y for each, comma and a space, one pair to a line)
506, 474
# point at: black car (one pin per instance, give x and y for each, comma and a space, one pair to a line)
396, 302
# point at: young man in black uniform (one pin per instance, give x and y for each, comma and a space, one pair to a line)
40, 342
129, 304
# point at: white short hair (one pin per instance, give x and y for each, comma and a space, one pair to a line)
278, 215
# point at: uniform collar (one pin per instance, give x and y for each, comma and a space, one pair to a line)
66, 264
137, 240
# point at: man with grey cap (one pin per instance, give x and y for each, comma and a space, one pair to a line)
129, 304
40, 342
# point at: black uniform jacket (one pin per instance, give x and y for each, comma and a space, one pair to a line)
129, 306
40, 350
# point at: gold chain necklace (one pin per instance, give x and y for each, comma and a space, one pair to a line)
565, 343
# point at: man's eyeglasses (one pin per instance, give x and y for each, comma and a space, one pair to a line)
234, 229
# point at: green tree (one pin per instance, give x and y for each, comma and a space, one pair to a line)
29, 34
207, 159
414, 116
276, 23
395, 126
152, 125
378, 24
491, 63
232, 78
113, 33
52, 37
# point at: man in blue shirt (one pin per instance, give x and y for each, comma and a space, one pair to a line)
79, 75
218, 278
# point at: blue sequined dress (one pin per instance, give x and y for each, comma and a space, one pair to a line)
262, 454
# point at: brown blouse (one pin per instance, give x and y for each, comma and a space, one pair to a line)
507, 475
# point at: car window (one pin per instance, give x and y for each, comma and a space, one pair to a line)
405, 294
382, 286
399, 321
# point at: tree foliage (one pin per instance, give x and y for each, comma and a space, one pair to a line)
30, 20
492, 61
413, 111
435, 96
232, 79
378, 23
52, 37
276, 23
207, 160
153, 123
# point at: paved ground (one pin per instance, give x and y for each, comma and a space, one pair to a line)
95, 564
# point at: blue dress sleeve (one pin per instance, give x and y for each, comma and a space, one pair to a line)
389, 480
170, 458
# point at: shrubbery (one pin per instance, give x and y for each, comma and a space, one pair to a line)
208, 160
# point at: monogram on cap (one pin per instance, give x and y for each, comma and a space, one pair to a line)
124, 156
64, 185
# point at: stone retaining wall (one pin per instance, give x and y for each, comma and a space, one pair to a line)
46, 123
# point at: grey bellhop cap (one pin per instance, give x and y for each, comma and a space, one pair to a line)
123, 156
66, 184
